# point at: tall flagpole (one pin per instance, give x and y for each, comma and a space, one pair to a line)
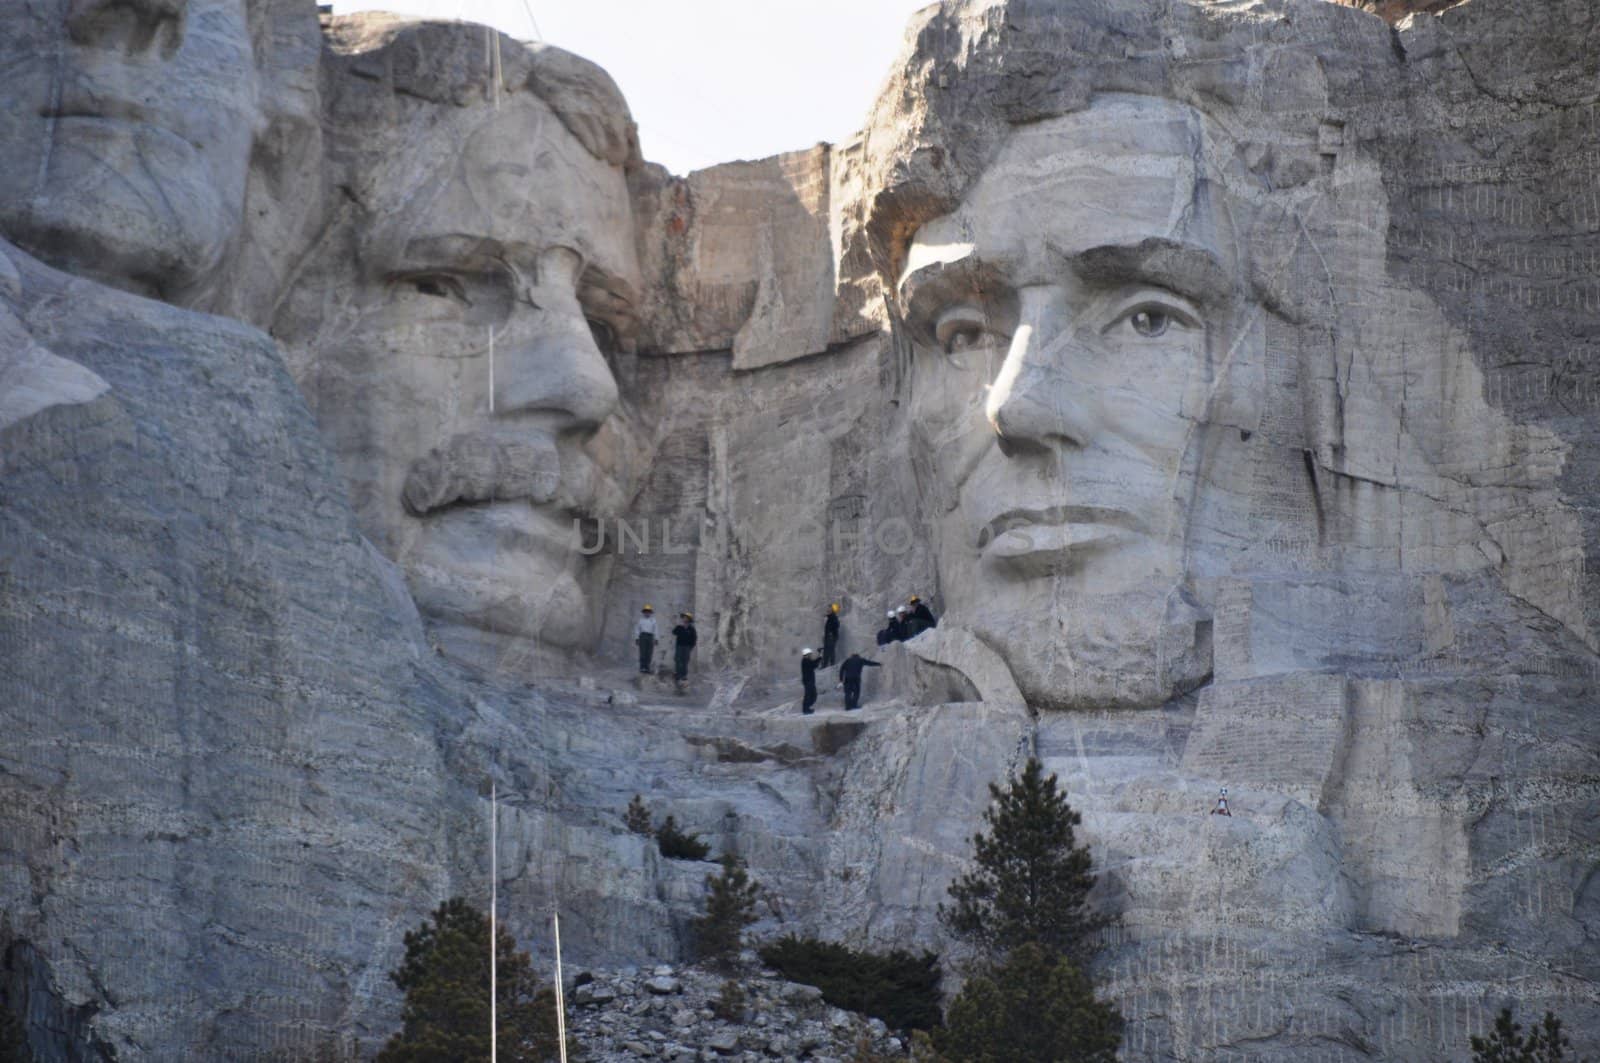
561, 1008
494, 882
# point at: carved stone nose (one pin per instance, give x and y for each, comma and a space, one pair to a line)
130, 24
1034, 405
559, 370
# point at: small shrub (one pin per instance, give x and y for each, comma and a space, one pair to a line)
676, 845
637, 817
898, 987
730, 1003
919, 1051
1544, 1043
730, 907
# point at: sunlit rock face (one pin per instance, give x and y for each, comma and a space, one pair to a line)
1212, 427
457, 328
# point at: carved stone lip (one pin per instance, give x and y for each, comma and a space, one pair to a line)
118, 117
1043, 542
1062, 516
97, 106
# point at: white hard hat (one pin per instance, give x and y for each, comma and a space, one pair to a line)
1224, 789
807, 652
890, 614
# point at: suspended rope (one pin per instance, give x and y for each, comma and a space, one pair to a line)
494, 897
540, 38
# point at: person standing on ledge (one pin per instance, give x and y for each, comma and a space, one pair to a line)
830, 635
644, 633
1222, 805
684, 638
902, 624
809, 662
850, 678
922, 618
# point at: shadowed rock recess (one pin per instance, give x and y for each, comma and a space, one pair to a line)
1224, 373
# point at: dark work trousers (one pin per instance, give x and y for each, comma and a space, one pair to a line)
830, 643
852, 693
647, 650
680, 662
811, 698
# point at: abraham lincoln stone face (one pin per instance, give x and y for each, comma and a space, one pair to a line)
1074, 319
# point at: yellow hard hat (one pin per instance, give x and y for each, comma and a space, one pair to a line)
688, 615
915, 599
648, 609
834, 607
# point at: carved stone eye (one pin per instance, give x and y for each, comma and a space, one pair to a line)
961, 328
438, 285
963, 340
1149, 323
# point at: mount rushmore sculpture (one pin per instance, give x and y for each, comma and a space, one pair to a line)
1224, 371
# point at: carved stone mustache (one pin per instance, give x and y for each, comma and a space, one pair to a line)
482, 467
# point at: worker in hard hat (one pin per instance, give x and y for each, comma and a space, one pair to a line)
850, 678
921, 618
886, 632
1222, 805
683, 640
902, 623
830, 635
810, 661
644, 633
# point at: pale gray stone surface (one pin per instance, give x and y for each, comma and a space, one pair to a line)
1322, 539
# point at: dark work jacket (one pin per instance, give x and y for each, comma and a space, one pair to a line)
684, 634
830, 627
897, 631
850, 670
886, 635
925, 615
808, 670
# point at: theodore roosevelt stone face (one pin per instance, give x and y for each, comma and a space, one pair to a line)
1073, 320
461, 366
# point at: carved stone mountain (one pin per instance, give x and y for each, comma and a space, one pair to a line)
1224, 374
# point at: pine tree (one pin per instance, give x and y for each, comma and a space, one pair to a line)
1035, 1007
637, 817
730, 907
1031, 883
675, 844
1544, 1043
445, 976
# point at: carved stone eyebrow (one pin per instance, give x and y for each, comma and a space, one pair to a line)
968, 273
449, 249
1185, 268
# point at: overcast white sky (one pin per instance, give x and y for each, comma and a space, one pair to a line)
713, 80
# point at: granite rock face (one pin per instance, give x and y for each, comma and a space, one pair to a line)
1222, 372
